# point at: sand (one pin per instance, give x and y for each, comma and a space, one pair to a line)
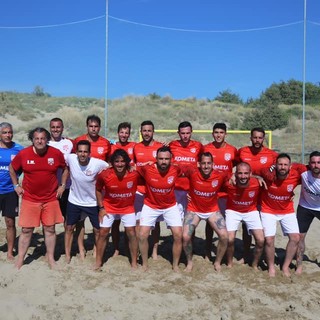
117, 292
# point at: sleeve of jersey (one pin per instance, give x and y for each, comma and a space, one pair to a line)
16, 162
299, 167
100, 181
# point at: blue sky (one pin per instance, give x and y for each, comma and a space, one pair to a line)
69, 60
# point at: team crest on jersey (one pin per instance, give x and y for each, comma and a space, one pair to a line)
227, 157
65, 147
100, 150
251, 194
193, 150
154, 153
130, 150
263, 160
290, 187
50, 161
129, 184
170, 179
214, 183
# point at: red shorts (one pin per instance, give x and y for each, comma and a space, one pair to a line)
31, 213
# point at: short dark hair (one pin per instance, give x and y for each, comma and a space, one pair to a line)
205, 154
147, 123
283, 155
56, 120
93, 118
184, 124
84, 143
120, 153
314, 154
39, 130
220, 125
164, 149
124, 125
258, 129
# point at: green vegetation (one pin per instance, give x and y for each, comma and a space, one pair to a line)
271, 110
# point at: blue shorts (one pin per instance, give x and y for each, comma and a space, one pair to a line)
74, 213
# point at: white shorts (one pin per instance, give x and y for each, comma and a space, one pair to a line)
138, 204
128, 220
182, 201
203, 216
288, 222
251, 219
171, 216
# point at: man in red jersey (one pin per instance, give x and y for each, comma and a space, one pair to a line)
124, 130
119, 185
185, 152
145, 152
160, 179
224, 156
204, 186
39, 191
258, 156
277, 205
100, 146
100, 149
242, 203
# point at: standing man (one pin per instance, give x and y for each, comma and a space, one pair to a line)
82, 197
309, 203
204, 186
117, 203
124, 130
145, 152
258, 157
9, 201
242, 207
39, 164
224, 157
160, 200
65, 146
277, 205
185, 152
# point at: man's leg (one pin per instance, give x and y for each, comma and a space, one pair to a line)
10, 235
291, 250
115, 234
209, 237
101, 245
68, 237
144, 245
24, 242
218, 224
230, 249
133, 245
50, 241
80, 232
259, 243
270, 251
300, 252
247, 240
155, 233
176, 247
191, 221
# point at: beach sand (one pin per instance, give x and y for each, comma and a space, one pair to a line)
117, 292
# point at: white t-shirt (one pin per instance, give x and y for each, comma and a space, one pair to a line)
310, 191
65, 146
83, 187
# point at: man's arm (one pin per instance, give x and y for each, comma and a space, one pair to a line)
14, 178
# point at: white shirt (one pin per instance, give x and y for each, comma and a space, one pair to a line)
310, 191
83, 187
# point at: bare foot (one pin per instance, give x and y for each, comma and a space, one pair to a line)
82, 254
188, 268
68, 259
10, 257
116, 253
176, 269
230, 265
53, 265
272, 272
134, 266
154, 255
18, 264
299, 271
144, 268
97, 267
217, 267
286, 273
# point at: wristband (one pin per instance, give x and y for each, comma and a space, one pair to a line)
62, 185
16, 186
100, 208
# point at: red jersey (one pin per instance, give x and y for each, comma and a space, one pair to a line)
119, 193
203, 191
99, 149
40, 181
277, 199
243, 199
224, 157
185, 155
143, 154
159, 187
265, 158
128, 148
